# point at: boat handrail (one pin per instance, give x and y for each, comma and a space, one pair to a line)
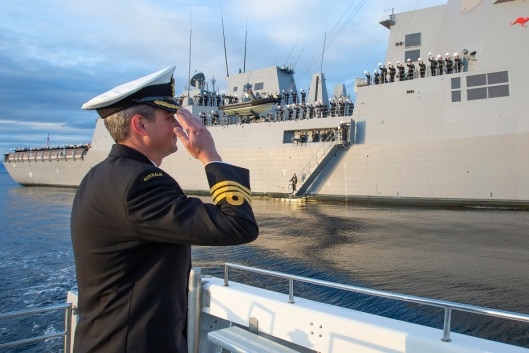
67, 307
446, 305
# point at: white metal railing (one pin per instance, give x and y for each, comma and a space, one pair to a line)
32, 312
446, 305
415, 74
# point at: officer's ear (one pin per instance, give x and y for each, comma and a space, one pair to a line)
138, 125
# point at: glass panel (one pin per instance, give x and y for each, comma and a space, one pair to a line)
456, 83
499, 91
476, 80
414, 55
476, 93
412, 40
456, 96
498, 77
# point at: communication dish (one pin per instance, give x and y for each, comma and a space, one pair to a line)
197, 80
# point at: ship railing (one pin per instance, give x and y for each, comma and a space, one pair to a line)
281, 112
19, 314
416, 74
448, 306
305, 111
46, 154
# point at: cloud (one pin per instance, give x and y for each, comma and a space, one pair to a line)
56, 55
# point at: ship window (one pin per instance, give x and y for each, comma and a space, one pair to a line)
476, 80
412, 40
476, 93
456, 83
498, 77
258, 86
456, 96
288, 136
414, 55
235, 89
499, 91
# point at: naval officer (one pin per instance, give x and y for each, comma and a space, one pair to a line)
132, 225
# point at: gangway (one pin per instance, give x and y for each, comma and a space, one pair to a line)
319, 160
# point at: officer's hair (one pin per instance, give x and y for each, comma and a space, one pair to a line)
118, 124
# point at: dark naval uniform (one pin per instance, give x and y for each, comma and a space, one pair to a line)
133, 264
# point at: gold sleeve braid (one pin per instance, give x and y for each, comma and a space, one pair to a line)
234, 193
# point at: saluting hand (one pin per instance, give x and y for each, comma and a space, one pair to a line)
195, 137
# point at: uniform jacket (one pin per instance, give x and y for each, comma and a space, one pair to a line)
132, 229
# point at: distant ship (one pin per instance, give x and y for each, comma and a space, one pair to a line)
457, 136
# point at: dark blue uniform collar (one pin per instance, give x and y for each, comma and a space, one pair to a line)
122, 151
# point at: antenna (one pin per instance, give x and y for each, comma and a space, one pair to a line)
189, 64
224, 37
323, 51
245, 41
288, 57
298, 57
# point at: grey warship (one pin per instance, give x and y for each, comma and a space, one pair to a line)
453, 135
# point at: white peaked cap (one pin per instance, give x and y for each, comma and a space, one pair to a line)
156, 89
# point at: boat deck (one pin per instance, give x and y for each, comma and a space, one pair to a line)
225, 314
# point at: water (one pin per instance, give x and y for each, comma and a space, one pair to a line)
472, 256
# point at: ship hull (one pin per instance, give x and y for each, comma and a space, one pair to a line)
363, 173
61, 173
460, 171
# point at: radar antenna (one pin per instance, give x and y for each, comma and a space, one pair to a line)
197, 80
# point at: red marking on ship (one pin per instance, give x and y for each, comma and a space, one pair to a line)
521, 20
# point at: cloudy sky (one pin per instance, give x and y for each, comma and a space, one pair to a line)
57, 54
